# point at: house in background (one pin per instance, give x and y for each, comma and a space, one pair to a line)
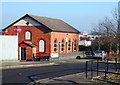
42, 36
86, 40
1, 33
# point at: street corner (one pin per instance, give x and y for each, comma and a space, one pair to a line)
72, 78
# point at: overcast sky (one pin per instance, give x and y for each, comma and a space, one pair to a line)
81, 15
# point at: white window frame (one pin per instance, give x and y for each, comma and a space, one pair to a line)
28, 35
41, 46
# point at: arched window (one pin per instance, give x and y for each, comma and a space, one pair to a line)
69, 44
62, 48
55, 45
28, 35
75, 45
41, 46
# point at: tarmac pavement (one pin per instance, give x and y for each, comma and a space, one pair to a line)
78, 78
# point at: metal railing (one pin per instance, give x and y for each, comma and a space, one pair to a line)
38, 56
102, 66
70, 54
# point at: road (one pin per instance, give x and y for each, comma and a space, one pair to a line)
26, 75
30, 74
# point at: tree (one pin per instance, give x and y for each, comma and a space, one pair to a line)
109, 29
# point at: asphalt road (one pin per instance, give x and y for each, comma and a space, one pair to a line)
27, 75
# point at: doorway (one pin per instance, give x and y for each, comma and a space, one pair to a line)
23, 53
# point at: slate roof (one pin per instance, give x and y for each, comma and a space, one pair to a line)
52, 23
28, 43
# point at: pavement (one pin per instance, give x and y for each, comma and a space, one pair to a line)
24, 64
78, 78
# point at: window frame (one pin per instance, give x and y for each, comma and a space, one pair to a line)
28, 35
55, 45
75, 45
69, 45
63, 46
44, 44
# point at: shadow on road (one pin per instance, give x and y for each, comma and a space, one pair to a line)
53, 74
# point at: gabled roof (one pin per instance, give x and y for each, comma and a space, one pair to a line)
56, 25
28, 43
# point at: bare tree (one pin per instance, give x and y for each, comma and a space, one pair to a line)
116, 24
110, 31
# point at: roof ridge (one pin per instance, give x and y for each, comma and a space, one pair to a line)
51, 23
44, 17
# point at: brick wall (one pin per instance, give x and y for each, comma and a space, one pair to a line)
38, 32
60, 36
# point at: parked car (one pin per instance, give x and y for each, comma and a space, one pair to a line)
110, 52
99, 54
90, 53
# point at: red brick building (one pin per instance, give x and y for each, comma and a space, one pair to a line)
43, 36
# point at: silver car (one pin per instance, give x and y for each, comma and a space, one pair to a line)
99, 54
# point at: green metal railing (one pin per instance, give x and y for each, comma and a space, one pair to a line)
70, 54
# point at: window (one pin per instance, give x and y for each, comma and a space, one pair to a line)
41, 46
75, 45
55, 45
28, 35
69, 45
62, 48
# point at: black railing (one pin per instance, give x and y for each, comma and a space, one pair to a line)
98, 66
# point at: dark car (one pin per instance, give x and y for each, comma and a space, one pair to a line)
90, 53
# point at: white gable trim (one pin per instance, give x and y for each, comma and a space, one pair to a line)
23, 22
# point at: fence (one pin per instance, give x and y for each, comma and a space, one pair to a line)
8, 48
70, 54
39, 56
97, 66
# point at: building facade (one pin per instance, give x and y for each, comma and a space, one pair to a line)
86, 40
42, 36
